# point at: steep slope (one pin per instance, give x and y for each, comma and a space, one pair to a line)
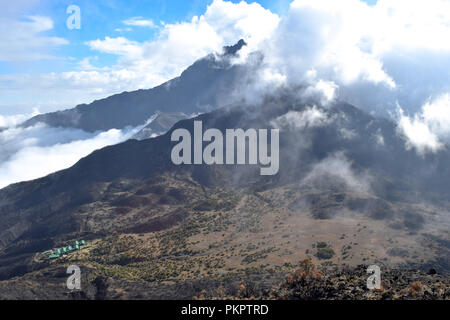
160, 125
201, 87
344, 194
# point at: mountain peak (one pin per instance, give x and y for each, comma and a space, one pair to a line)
232, 50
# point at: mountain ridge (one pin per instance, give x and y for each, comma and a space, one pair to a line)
348, 192
60, 206
214, 73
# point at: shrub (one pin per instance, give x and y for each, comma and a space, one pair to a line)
325, 253
322, 245
416, 288
207, 205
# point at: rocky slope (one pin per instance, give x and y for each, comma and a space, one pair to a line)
309, 283
160, 125
341, 197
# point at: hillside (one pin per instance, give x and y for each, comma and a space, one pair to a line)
153, 223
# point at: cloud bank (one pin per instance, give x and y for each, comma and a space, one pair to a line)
34, 152
429, 129
372, 56
375, 57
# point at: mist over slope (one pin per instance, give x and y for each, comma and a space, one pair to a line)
328, 171
362, 103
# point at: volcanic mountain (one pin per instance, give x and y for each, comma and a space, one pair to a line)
197, 89
347, 192
161, 123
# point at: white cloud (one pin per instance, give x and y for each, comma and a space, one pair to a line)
299, 120
180, 44
118, 46
339, 28
369, 53
324, 91
379, 138
139, 22
30, 153
429, 129
123, 29
15, 119
65, 90
372, 56
144, 64
337, 169
25, 39
349, 134
436, 114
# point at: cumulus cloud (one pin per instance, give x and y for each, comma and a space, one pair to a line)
118, 46
322, 90
372, 56
376, 57
180, 44
436, 113
429, 129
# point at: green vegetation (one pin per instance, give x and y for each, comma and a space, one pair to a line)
322, 245
325, 253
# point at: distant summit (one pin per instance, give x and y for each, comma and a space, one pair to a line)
232, 50
204, 86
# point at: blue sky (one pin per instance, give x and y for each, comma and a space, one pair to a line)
103, 18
